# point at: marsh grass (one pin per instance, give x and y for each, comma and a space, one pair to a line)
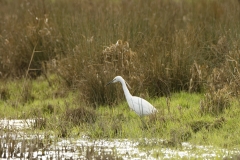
164, 46
179, 119
28, 145
182, 56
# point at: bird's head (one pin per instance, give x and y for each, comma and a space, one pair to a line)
118, 79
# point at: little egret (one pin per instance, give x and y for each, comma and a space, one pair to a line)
137, 104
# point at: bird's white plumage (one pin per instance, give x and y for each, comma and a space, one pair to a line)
137, 104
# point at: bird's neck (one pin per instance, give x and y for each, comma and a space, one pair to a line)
125, 89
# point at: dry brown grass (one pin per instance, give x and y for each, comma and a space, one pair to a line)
163, 46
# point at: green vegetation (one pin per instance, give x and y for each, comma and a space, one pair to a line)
179, 118
182, 56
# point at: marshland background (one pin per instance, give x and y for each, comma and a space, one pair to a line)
181, 55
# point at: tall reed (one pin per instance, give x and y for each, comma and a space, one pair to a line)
176, 44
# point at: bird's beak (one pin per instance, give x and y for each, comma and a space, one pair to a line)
109, 83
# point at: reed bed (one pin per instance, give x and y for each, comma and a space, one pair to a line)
164, 46
57, 56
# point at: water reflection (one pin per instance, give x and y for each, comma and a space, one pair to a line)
16, 143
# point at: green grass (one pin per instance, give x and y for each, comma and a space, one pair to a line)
178, 119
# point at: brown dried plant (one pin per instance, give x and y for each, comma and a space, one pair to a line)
218, 95
119, 58
174, 48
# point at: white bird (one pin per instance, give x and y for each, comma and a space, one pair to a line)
137, 104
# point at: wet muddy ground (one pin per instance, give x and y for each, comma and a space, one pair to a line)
18, 144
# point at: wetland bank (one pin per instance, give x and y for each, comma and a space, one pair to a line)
57, 56
58, 128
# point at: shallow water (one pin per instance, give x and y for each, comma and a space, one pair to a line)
17, 144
